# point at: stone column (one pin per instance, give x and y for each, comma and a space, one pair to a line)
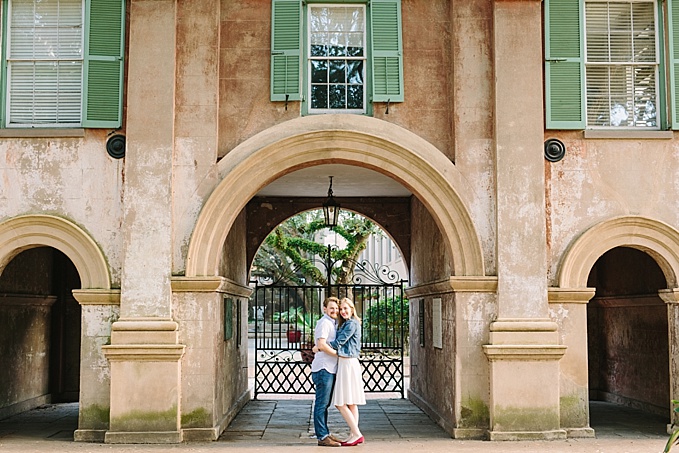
568, 306
100, 308
671, 298
145, 352
523, 349
474, 304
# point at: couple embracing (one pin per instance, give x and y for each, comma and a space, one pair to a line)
338, 345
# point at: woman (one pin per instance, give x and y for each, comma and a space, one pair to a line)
348, 393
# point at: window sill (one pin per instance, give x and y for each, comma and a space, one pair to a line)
630, 135
41, 133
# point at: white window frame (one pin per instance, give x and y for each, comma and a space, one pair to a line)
9, 64
656, 64
309, 59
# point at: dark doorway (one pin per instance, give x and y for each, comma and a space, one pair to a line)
39, 331
627, 334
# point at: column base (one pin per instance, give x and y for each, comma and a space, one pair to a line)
557, 434
89, 435
470, 433
580, 433
149, 437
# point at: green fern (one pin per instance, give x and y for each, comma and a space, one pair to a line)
674, 437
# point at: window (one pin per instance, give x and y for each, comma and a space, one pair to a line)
62, 63
605, 65
336, 58
621, 64
352, 54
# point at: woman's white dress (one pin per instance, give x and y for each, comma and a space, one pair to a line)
348, 383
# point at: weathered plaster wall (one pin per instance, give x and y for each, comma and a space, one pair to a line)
233, 264
429, 261
232, 354
628, 331
603, 178
245, 51
72, 177
432, 370
472, 72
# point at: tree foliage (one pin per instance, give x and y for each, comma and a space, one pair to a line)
291, 254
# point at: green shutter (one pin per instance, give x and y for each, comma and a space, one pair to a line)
387, 50
564, 65
286, 49
673, 30
103, 73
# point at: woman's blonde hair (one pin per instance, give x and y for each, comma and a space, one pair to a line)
349, 302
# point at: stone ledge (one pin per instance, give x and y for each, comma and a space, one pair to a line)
524, 352
570, 295
163, 437
466, 284
557, 434
144, 352
97, 296
523, 325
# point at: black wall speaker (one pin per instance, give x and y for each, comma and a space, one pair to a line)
555, 150
115, 146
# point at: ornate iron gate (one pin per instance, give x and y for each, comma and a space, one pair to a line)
285, 318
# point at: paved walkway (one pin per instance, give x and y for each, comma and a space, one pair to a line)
393, 426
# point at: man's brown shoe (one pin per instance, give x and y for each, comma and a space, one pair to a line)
328, 442
331, 437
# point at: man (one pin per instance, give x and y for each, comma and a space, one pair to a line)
323, 370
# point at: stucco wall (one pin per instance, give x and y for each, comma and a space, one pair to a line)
429, 261
245, 51
603, 178
71, 177
432, 370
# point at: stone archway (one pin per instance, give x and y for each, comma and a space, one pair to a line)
99, 304
344, 139
658, 239
568, 302
24, 232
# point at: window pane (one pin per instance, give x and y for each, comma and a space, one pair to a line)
319, 96
355, 72
337, 71
355, 97
319, 71
338, 97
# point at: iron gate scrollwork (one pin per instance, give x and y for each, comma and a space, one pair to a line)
286, 315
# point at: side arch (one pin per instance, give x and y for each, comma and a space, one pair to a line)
658, 239
343, 139
25, 232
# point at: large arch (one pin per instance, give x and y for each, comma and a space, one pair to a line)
343, 139
24, 232
658, 239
